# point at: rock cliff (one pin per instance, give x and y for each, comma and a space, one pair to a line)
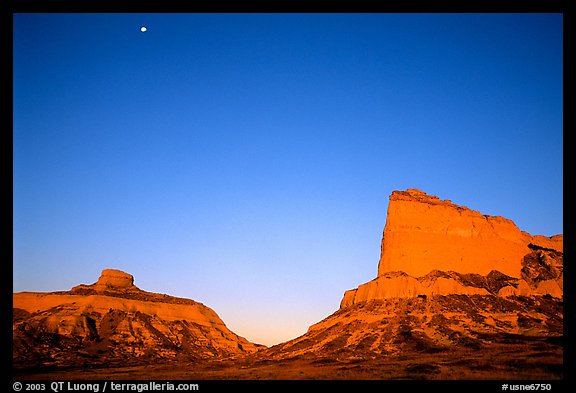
435, 247
114, 322
114, 280
424, 233
452, 283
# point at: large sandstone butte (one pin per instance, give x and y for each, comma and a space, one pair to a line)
113, 322
435, 247
455, 288
424, 233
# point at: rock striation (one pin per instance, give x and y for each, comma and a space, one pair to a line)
435, 247
466, 326
114, 322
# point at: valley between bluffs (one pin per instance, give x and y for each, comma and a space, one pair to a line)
443, 337
459, 295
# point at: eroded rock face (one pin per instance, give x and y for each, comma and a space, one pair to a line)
450, 281
439, 323
113, 322
110, 281
540, 278
542, 265
424, 233
112, 278
435, 247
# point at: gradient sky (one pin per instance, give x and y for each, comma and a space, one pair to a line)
245, 160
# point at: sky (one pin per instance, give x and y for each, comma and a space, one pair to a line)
245, 160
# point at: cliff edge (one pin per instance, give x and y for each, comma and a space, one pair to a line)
435, 247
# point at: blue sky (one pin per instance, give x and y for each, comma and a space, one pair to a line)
245, 160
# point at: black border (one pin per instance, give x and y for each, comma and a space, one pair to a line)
569, 66
461, 386
566, 7
251, 6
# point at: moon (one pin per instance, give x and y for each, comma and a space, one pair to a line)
143, 29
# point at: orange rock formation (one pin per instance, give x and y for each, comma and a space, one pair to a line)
435, 247
112, 278
424, 233
112, 319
